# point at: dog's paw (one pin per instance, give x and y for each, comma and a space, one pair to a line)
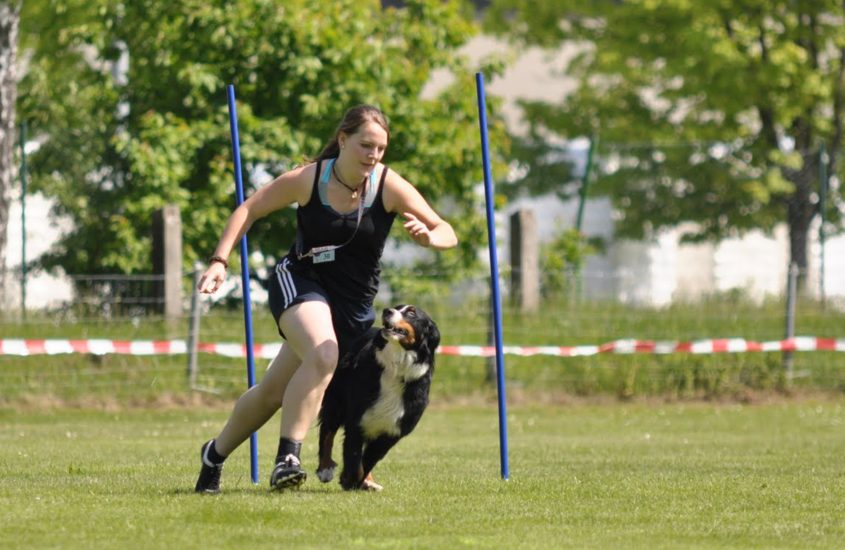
370, 485
326, 474
348, 482
325, 470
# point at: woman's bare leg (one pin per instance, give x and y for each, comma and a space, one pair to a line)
309, 331
259, 403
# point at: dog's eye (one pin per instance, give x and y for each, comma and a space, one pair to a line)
411, 312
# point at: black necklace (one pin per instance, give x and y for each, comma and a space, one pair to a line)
353, 190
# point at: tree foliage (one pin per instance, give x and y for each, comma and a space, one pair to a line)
562, 259
713, 112
122, 140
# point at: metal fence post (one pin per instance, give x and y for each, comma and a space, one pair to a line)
194, 328
824, 159
791, 291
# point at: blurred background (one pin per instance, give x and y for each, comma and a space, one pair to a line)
664, 171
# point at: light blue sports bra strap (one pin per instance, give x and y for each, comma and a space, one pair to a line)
372, 187
324, 179
323, 184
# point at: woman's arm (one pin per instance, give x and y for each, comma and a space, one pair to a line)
291, 187
422, 223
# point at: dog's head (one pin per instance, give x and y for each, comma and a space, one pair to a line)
412, 328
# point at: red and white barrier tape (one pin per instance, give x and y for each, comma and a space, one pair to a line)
268, 351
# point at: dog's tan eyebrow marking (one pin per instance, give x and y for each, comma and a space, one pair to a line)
409, 329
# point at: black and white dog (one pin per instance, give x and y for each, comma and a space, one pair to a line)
378, 394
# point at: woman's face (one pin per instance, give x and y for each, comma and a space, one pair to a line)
365, 148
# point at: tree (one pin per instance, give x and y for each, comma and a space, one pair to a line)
713, 112
132, 98
9, 20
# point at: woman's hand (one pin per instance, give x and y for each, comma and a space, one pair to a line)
213, 277
417, 230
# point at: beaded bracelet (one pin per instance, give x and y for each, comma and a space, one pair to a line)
219, 259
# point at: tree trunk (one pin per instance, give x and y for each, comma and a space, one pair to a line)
800, 212
9, 18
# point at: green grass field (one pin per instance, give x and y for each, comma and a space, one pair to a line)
584, 475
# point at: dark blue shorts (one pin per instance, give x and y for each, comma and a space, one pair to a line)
288, 288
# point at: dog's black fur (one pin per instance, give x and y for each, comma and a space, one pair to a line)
378, 394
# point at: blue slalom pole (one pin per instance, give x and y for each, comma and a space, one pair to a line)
494, 277
250, 358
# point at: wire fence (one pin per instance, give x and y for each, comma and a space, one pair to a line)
117, 321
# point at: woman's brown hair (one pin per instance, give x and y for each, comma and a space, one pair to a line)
351, 122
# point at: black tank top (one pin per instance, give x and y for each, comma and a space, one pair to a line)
355, 271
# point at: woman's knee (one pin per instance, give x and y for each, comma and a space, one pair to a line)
325, 356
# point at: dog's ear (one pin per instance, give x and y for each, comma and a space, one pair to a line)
432, 336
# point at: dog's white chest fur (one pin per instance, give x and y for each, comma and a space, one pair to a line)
399, 366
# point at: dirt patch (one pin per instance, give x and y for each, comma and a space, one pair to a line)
515, 397
163, 401
520, 397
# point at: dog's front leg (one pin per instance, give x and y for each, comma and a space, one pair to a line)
353, 472
325, 470
375, 451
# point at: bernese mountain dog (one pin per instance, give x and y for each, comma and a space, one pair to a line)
378, 394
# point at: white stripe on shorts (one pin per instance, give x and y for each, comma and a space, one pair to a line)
286, 283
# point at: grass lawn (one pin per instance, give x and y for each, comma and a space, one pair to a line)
617, 475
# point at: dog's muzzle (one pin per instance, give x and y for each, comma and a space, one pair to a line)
391, 321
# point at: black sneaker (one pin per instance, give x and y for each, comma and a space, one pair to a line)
287, 473
209, 480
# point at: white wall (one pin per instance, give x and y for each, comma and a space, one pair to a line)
755, 262
665, 270
834, 264
42, 290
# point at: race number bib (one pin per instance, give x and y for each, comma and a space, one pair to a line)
323, 257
